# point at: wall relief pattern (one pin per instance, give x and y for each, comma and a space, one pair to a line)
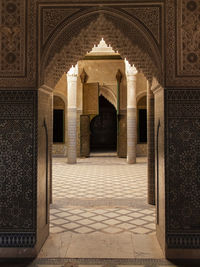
182, 168
150, 17
12, 33
189, 34
17, 36
18, 167
182, 37
87, 33
51, 18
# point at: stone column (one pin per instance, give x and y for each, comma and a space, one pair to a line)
71, 113
150, 145
131, 72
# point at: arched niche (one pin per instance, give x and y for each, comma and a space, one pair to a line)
108, 94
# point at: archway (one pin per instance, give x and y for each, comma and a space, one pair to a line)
137, 45
61, 52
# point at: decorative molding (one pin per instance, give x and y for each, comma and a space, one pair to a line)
150, 16
52, 16
17, 240
181, 53
183, 241
17, 46
12, 38
188, 38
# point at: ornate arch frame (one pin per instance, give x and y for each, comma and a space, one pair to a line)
60, 52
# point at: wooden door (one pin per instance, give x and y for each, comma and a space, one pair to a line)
85, 135
122, 136
91, 99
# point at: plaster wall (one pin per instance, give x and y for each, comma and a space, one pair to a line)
104, 72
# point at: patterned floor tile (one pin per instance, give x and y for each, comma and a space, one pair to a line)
112, 230
98, 226
70, 226
140, 230
112, 222
83, 230
105, 179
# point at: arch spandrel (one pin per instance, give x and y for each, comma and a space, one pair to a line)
76, 39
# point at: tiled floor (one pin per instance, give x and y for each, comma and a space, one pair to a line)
109, 196
100, 176
107, 220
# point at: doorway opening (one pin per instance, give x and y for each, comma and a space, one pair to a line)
99, 197
102, 196
103, 128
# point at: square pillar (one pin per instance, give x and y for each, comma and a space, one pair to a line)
24, 170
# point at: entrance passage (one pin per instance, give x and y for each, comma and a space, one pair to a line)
103, 127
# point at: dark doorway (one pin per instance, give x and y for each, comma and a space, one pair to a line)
58, 126
142, 116
104, 127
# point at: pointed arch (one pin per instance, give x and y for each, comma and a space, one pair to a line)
108, 94
76, 39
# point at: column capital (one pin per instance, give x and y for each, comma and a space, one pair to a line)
130, 70
72, 74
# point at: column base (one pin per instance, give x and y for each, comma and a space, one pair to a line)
71, 162
131, 161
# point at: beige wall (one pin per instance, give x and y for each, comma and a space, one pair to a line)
104, 72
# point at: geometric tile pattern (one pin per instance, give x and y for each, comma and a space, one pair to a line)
18, 126
107, 220
182, 168
100, 177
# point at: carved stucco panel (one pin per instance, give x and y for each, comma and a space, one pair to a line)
150, 17
51, 18
12, 38
82, 40
17, 43
182, 55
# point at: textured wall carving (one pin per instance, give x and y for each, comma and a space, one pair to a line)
150, 17
12, 36
182, 37
182, 168
87, 31
189, 36
18, 167
17, 56
51, 18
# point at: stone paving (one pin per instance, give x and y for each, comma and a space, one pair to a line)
101, 194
